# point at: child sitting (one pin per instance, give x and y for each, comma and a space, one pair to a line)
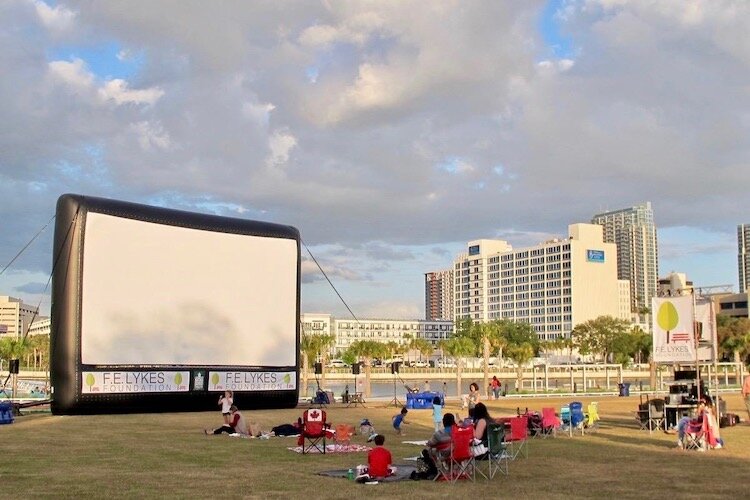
379, 460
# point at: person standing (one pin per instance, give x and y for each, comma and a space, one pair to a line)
226, 401
437, 412
746, 395
495, 386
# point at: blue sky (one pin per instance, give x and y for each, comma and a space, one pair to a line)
389, 134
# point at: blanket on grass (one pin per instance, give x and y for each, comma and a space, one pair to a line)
403, 471
335, 448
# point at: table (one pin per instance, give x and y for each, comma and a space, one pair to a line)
422, 400
356, 398
674, 412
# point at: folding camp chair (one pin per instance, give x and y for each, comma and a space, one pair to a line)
695, 435
656, 417
592, 417
498, 457
517, 441
343, 435
564, 417
314, 430
577, 417
550, 423
458, 462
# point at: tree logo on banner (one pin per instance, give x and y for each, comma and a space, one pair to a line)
667, 318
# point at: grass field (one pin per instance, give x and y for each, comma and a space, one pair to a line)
167, 455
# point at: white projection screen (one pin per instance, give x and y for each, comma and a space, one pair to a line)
157, 308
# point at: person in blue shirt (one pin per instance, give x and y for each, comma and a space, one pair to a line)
400, 419
437, 412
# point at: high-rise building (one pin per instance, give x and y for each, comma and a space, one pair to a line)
15, 316
553, 286
438, 295
743, 256
633, 231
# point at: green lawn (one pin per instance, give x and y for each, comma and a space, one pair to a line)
167, 455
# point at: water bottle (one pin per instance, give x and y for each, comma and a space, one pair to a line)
350, 475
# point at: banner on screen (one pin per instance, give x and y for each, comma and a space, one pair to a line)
252, 381
121, 382
673, 329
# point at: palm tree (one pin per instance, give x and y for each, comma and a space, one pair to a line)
367, 350
459, 348
422, 345
314, 347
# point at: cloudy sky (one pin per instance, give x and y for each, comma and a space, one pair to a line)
389, 132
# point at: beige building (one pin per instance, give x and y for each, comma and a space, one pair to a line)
731, 304
348, 331
553, 286
438, 300
15, 316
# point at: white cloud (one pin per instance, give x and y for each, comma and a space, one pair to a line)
73, 73
57, 18
280, 143
151, 136
117, 90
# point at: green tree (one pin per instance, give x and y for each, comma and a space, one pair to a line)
314, 347
486, 339
521, 344
733, 335
458, 348
601, 336
366, 350
423, 346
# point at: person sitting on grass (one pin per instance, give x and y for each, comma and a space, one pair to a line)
236, 424
400, 419
379, 460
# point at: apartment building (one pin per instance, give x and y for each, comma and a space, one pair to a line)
553, 286
743, 256
633, 231
438, 286
348, 331
15, 316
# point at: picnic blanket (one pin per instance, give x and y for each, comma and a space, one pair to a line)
403, 471
418, 443
335, 448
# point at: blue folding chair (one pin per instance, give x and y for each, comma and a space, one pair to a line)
564, 417
577, 417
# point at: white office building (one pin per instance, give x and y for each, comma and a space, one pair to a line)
15, 316
633, 231
553, 286
348, 331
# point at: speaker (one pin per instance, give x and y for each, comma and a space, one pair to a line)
318, 368
355, 368
14, 365
395, 366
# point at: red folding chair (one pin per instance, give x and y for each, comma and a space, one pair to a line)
517, 441
314, 430
458, 462
550, 423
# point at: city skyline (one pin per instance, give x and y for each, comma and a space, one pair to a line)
388, 140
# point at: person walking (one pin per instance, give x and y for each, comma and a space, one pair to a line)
746, 395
